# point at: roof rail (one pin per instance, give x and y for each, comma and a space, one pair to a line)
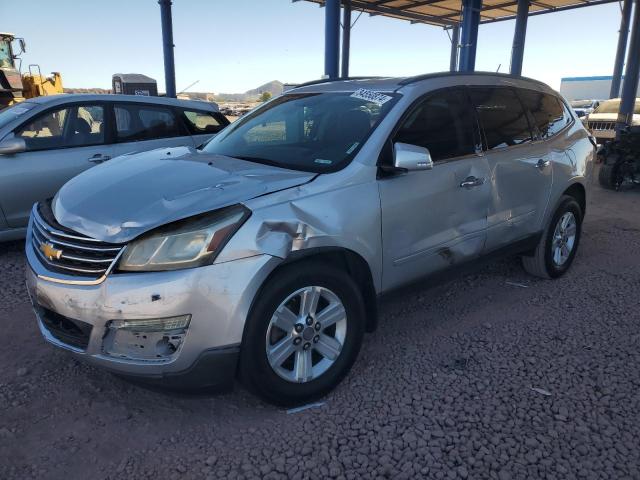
427, 76
330, 80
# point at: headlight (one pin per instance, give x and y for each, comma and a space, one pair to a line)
184, 244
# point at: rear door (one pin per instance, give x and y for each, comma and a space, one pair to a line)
432, 219
61, 142
140, 127
202, 124
520, 164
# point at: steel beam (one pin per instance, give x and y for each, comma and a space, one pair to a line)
455, 44
623, 36
632, 72
332, 38
469, 43
167, 47
346, 37
591, 3
519, 37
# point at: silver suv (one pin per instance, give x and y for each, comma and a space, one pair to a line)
262, 253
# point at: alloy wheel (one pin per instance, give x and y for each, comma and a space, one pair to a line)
564, 238
306, 334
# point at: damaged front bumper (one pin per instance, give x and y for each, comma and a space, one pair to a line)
182, 328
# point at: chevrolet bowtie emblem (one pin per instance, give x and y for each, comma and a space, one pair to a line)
50, 251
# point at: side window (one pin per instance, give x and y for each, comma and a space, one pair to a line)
135, 123
444, 123
88, 128
199, 123
502, 117
65, 127
546, 112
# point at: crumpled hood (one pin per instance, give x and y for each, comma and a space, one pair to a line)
117, 201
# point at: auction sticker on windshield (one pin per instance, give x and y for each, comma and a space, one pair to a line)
371, 96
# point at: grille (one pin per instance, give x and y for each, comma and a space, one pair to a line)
68, 331
602, 125
81, 255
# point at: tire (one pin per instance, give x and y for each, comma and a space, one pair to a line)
544, 261
285, 384
608, 176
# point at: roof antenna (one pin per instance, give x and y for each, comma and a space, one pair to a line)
499, 65
187, 88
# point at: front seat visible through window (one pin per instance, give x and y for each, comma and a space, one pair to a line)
348, 127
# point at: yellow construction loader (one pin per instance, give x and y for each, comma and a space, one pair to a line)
14, 86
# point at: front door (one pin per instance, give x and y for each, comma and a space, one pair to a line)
433, 219
60, 144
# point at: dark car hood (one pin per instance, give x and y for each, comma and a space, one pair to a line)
130, 195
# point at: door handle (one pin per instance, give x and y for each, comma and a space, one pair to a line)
471, 182
99, 158
542, 163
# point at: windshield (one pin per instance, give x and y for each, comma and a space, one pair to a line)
14, 111
582, 103
613, 106
6, 61
314, 132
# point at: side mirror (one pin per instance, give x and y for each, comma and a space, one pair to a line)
10, 146
411, 157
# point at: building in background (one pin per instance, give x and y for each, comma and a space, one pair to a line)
583, 88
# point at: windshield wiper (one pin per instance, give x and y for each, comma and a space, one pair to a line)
264, 161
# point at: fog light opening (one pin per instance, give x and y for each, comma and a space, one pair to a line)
157, 339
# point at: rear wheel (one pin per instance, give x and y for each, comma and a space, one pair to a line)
303, 334
609, 176
559, 243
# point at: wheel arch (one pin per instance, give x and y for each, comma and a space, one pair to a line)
348, 260
577, 191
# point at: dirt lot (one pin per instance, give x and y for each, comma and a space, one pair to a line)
492, 375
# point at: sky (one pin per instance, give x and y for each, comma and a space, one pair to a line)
231, 46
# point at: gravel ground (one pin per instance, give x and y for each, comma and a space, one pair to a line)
490, 375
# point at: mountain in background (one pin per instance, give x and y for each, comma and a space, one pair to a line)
274, 88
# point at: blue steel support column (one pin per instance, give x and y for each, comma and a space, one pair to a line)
630, 84
167, 47
346, 37
623, 35
331, 38
455, 44
519, 36
469, 42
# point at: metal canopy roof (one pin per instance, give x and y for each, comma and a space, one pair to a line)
447, 13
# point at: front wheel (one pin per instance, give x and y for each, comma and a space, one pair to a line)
303, 334
559, 243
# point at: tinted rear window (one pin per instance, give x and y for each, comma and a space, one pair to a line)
501, 116
142, 122
546, 112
